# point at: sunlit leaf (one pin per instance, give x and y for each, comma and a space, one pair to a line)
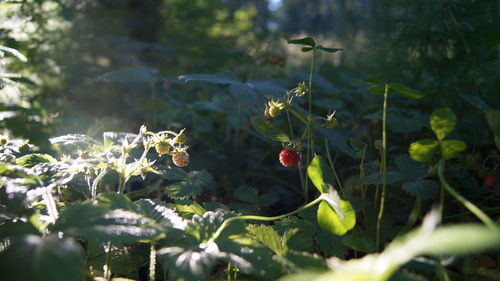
95, 222
269, 237
160, 213
31, 160
450, 148
423, 150
183, 190
115, 201
319, 173
442, 121
331, 222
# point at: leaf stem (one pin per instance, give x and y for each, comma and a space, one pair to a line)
332, 166
469, 205
383, 166
261, 218
152, 261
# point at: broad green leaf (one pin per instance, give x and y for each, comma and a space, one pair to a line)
94, 222
203, 227
406, 92
267, 199
269, 130
308, 41
188, 206
74, 141
442, 122
31, 160
16, 229
328, 50
450, 240
426, 189
115, 201
359, 244
305, 260
450, 148
183, 190
376, 89
330, 221
319, 173
244, 93
306, 49
189, 264
160, 213
370, 81
247, 194
50, 259
423, 150
493, 117
410, 169
269, 237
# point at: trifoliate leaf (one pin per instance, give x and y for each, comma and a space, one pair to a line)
423, 150
425, 189
450, 148
442, 121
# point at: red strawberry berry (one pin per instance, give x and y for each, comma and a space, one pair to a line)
289, 158
490, 181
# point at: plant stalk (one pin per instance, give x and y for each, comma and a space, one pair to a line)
261, 218
469, 205
383, 166
152, 261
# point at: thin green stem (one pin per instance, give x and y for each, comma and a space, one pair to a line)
310, 82
152, 261
261, 218
107, 269
383, 166
469, 205
93, 194
332, 166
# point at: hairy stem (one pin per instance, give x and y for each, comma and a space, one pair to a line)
261, 218
383, 166
469, 205
152, 261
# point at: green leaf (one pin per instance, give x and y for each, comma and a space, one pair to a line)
330, 221
94, 222
423, 150
306, 49
31, 160
359, 244
203, 227
160, 213
305, 260
308, 41
269, 237
450, 148
50, 259
442, 121
328, 50
406, 92
426, 189
371, 81
115, 201
189, 264
269, 130
449, 240
376, 89
247, 194
319, 173
73, 141
183, 190
188, 206
410, 169
211, 78
493, 117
